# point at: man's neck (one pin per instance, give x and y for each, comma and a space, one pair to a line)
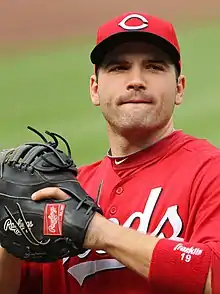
121, 146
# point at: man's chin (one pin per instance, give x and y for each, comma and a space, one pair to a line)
135, 127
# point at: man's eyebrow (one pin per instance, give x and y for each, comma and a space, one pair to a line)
114, 61
159, 60
119, 60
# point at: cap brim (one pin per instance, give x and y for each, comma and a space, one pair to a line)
99, 52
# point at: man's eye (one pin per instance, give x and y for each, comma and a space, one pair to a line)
157, 67
118, 68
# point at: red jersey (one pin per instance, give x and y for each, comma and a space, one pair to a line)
170, 190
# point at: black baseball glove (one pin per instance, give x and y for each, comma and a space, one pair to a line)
48, 230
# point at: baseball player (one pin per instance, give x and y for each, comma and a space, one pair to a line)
159, 187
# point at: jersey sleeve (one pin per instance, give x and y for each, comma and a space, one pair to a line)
206, 228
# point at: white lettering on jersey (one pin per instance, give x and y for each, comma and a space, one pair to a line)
190, 250
174, 219
84, 269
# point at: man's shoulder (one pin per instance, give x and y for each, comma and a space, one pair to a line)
201, 148
200, 157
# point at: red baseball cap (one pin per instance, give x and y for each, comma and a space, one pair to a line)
136, 26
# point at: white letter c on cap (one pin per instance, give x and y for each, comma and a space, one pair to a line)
140, 27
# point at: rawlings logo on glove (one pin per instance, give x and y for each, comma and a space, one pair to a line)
53, 219
9, 225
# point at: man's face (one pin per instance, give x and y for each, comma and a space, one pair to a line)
137, 88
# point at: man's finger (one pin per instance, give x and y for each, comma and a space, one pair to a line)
52, 192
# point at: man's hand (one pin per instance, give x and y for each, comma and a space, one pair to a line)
94, 236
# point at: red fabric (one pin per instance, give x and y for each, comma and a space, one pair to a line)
170, 190
154, 25
113, 32
179, 267
31, 279
215, 267
215, 274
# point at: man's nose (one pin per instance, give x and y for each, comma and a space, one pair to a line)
137, 81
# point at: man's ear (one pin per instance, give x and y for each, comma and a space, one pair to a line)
94, 90
181, 84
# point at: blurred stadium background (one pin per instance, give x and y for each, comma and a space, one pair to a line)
45, 68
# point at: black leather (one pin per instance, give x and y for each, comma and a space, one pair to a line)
46, 230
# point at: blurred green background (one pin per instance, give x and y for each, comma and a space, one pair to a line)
47, 88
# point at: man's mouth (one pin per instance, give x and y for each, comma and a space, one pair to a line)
138, 101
